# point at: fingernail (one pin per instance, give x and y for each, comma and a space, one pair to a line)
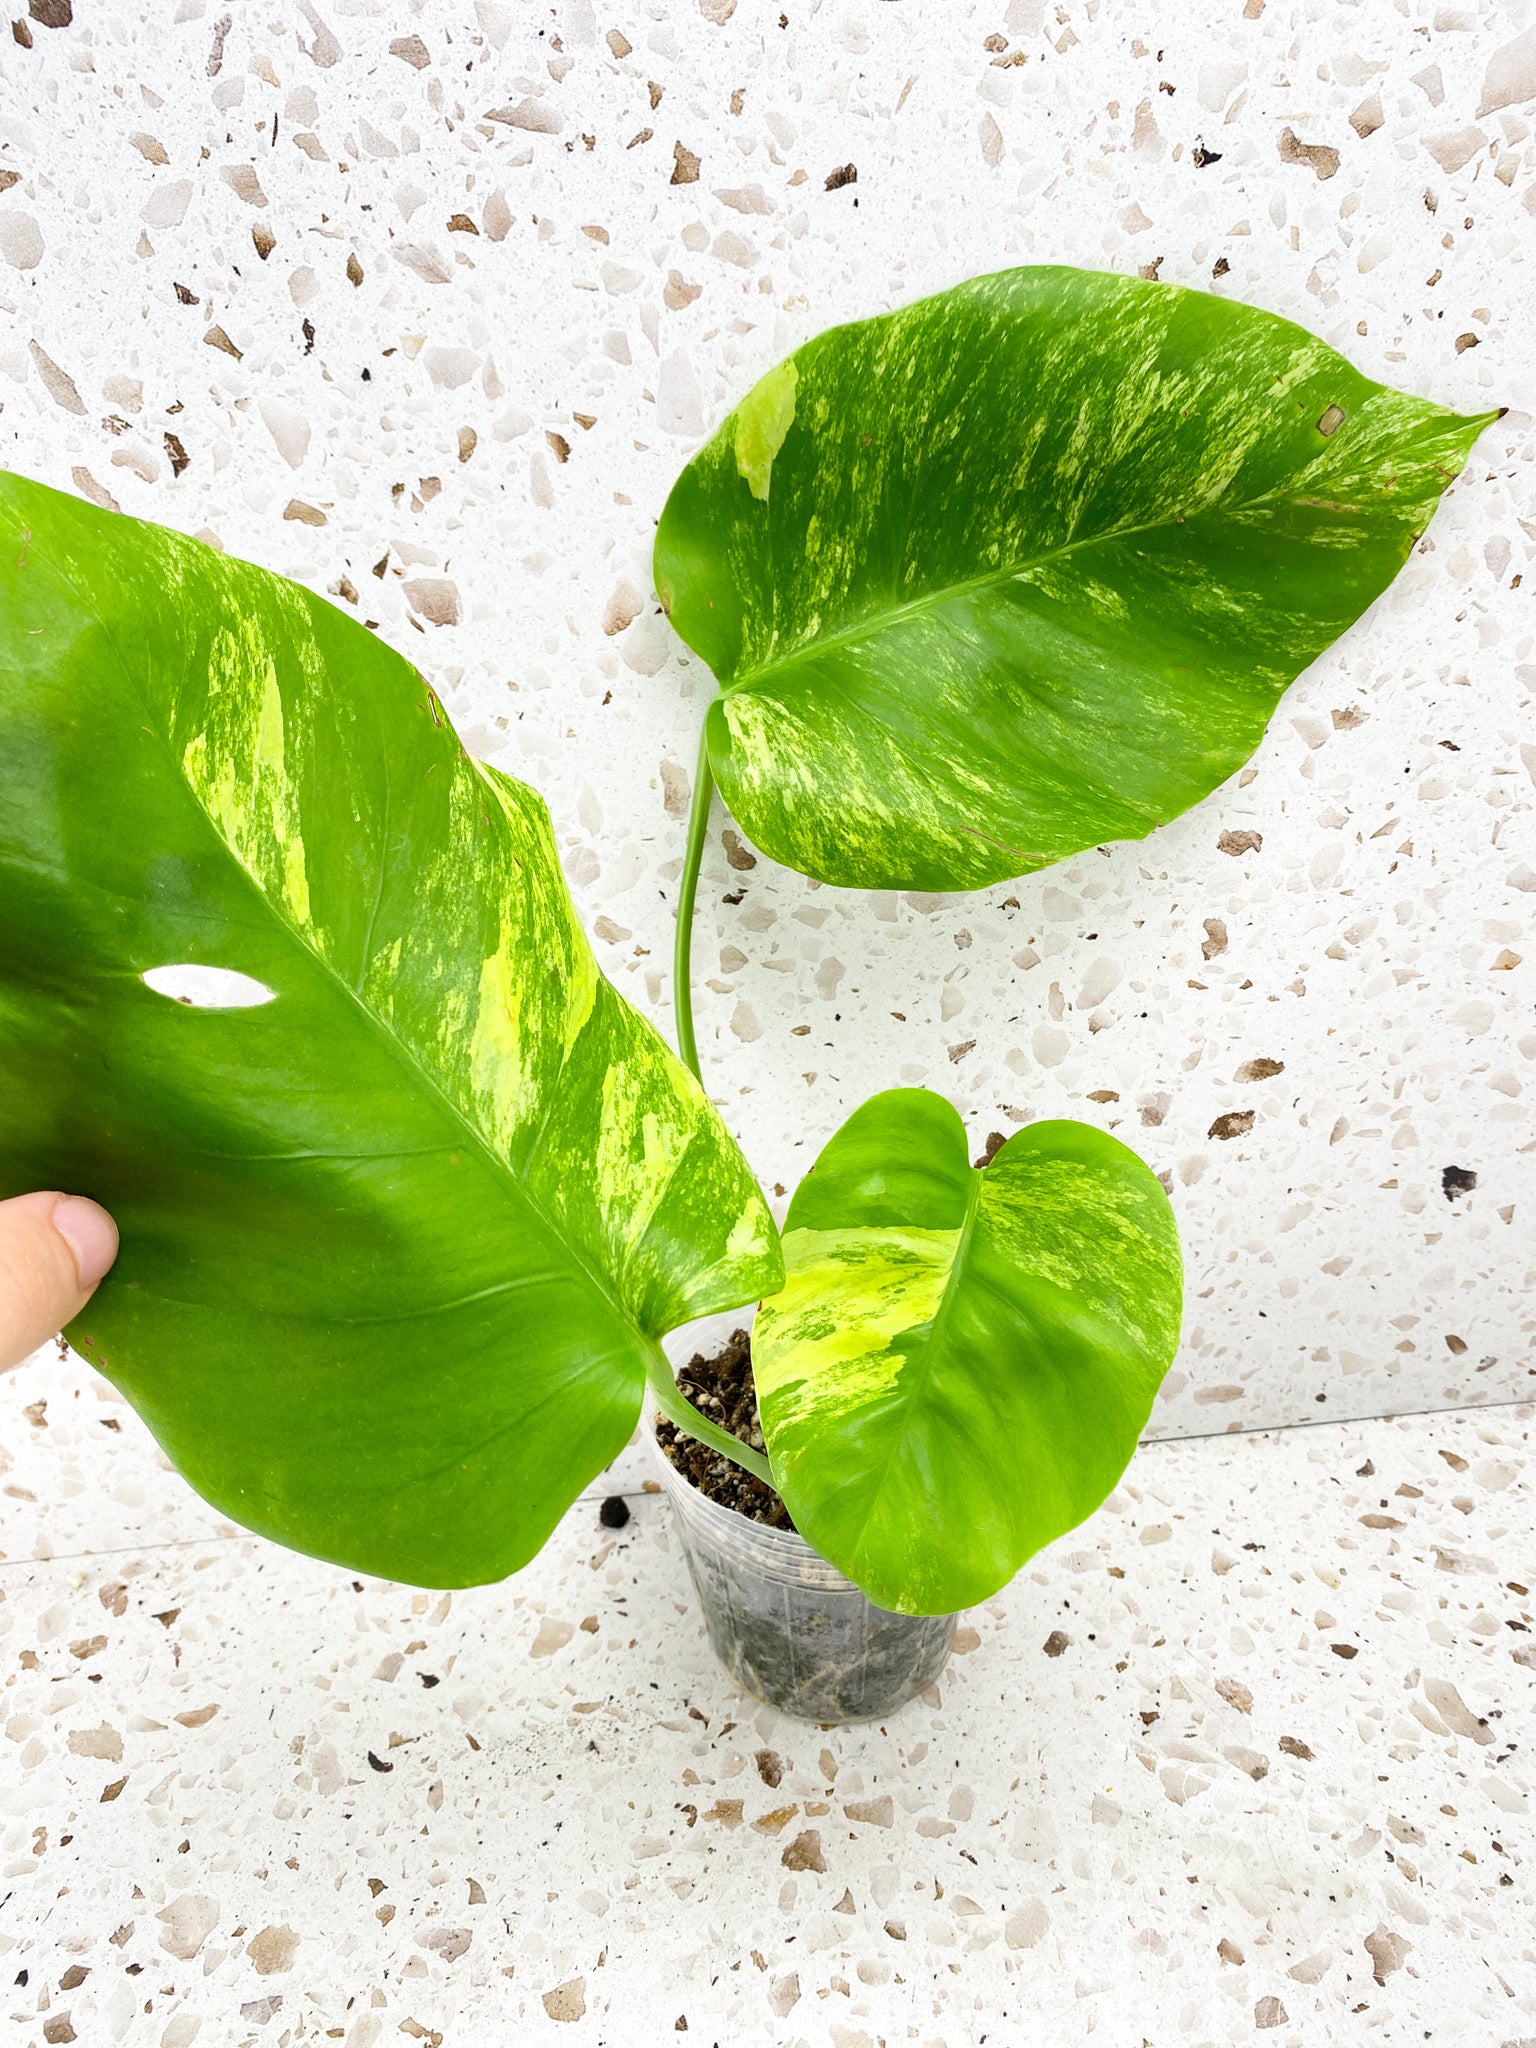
90, 1234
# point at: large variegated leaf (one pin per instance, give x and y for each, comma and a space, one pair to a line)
961, 1361
1026, 566
398, 1241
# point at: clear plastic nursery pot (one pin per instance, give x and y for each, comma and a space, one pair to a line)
786, 1624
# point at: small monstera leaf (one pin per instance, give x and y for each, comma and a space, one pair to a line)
398, 1233
1026, 567
961, 1361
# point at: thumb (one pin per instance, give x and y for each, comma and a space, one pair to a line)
53, 1251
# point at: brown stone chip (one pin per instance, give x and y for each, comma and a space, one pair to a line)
58, 383
1055, 1643
1237, 843
1319, 157
435, 598
1249, 1760
103, 1742
804, 1852
1260, 1070
244, 183
1454, 1711
272, 1950
1367, 117
1387, 1951
568, 2001
533, 116
1236, 1123
685, 166
1293, 1747
874, 1813
99, 496
770, 1767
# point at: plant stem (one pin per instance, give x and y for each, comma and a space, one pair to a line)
672, 1402
688, 884
676, 1406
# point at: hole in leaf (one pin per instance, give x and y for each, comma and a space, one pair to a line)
208, 988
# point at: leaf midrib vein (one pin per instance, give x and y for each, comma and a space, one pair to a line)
503, 1167
876, 623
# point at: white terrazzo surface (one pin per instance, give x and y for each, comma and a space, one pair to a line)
1275, 1779
400, 297
215, 218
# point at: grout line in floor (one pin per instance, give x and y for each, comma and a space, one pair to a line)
13, 1564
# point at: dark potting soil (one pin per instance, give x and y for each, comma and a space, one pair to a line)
721, 1389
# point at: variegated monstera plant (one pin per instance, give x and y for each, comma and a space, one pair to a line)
408, 1195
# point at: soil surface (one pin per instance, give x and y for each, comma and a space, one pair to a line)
721, 1389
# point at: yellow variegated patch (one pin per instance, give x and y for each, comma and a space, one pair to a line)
760, 424
829, 1340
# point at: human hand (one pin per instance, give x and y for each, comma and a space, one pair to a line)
54, 1250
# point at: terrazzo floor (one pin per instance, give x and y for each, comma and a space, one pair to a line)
1248, 1753
425, 304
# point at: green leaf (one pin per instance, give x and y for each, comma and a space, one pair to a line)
397, 1243
1026, 567
961, 1361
